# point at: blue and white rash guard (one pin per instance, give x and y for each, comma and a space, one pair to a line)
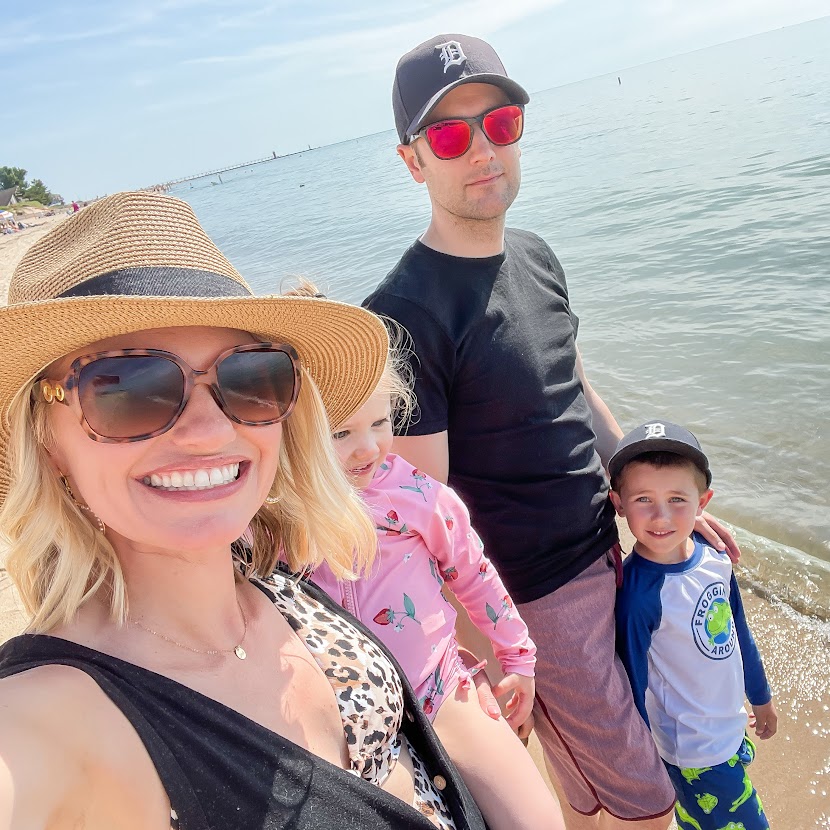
690, 656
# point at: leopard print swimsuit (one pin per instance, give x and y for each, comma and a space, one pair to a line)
368, 691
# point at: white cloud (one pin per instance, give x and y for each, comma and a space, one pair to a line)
385, 43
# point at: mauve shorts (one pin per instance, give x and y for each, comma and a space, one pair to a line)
586, 721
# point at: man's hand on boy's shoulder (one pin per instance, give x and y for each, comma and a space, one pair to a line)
764, 719
717, 535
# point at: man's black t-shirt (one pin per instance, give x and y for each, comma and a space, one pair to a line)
495, 366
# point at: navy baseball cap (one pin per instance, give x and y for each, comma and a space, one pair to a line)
659, 436
427, 73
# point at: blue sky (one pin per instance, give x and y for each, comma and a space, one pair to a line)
104, 96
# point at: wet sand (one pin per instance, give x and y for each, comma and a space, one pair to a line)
792, 770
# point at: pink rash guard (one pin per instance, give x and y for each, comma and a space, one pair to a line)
425, 540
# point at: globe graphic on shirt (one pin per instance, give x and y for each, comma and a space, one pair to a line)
718, 624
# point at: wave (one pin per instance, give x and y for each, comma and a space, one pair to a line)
783, 574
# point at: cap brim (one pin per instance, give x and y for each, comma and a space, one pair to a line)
343, 347
515, 92
626, 454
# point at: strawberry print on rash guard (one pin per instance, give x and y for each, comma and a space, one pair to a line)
425, 540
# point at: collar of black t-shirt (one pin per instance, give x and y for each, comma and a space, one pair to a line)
468, 261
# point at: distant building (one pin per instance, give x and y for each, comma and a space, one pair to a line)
7, 197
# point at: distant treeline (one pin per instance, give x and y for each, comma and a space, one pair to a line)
35, 191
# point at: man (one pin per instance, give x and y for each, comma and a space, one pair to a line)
509, 419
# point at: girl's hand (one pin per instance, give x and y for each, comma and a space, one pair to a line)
520, 704
766, 720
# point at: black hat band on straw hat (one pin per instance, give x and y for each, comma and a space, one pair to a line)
158, 281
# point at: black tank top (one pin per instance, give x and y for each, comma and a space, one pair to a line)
223, 771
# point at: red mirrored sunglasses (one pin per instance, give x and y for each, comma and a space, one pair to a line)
451, 138
133, 394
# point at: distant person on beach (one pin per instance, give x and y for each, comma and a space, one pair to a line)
682, 634
425, 540
509, 420
164, 434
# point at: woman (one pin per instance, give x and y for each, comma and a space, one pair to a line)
152, 412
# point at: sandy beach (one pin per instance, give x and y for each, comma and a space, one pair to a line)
13, 246
792, 771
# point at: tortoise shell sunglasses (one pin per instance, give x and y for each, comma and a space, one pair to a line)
130, 395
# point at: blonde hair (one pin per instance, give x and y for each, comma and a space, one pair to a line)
58, 560
398, 378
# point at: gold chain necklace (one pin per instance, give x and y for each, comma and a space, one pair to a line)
237, 649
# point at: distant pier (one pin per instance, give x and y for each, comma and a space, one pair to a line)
218, 172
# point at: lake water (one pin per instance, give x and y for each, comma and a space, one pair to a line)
689, 203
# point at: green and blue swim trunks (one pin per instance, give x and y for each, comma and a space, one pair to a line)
720, 797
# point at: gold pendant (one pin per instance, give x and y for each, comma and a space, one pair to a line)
240, 652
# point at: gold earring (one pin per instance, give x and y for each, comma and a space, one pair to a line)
273, 499
65, 481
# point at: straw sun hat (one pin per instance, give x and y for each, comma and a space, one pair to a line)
135, 261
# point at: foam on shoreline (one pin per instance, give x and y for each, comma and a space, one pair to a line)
784, 574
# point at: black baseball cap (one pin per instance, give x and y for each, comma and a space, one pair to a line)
427, 73
659, 436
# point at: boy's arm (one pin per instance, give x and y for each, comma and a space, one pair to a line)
755, 678
638, 613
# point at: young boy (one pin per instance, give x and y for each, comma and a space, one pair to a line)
682, 634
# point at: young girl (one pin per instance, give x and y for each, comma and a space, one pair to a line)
426, 541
